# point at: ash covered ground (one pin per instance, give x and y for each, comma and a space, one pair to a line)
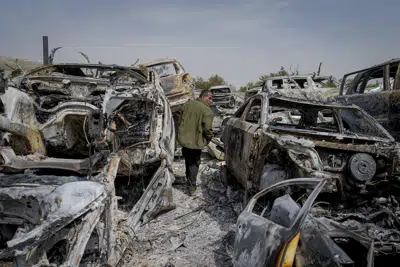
199, 232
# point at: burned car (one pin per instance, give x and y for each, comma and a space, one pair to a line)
175, 80
376, 90
85, 161
222, 96
293, 230
277, 136
295, 82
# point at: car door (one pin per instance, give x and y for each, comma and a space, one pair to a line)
269, 239
240, 140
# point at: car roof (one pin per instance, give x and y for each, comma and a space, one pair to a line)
289, 76
303, 101
84, 65
394, 60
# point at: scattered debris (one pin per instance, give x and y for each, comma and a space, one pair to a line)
278, 231
199, 232
216, 149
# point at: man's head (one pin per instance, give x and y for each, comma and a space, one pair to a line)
206, 95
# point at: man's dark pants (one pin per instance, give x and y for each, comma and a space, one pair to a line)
192, 163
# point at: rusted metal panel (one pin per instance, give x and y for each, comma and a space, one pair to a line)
177, 83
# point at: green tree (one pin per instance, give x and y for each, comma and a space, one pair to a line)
331, 83
250, 85
200, 83
213, 80
281, 72
262, 78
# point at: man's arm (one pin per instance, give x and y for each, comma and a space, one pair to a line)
207, 126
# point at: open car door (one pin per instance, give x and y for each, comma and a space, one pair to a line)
270, 238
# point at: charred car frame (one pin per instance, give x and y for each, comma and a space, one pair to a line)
273, 137
85, 159
177, 83
222, 96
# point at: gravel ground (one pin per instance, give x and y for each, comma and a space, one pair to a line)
199, 232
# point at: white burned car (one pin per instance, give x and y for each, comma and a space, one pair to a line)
85, 159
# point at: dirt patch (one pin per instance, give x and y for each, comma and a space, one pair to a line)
199, 232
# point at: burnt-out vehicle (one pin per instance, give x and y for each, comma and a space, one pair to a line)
177, 83
281, 135
310, 82
376, 90
222, 96
86, 158
288, 229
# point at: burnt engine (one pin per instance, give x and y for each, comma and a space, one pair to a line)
131, 122
46, 103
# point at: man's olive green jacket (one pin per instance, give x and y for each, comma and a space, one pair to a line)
195, 127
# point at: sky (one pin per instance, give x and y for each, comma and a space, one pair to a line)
239, 40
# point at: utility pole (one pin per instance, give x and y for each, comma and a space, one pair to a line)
45, 50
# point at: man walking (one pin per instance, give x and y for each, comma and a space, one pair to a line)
195, 132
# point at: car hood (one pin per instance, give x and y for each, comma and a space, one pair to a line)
50, 202
46, 207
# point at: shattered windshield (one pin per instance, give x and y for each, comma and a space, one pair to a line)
317, 119
320, 118
164, 70
355, 122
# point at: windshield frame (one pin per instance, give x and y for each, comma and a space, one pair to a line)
383, 133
